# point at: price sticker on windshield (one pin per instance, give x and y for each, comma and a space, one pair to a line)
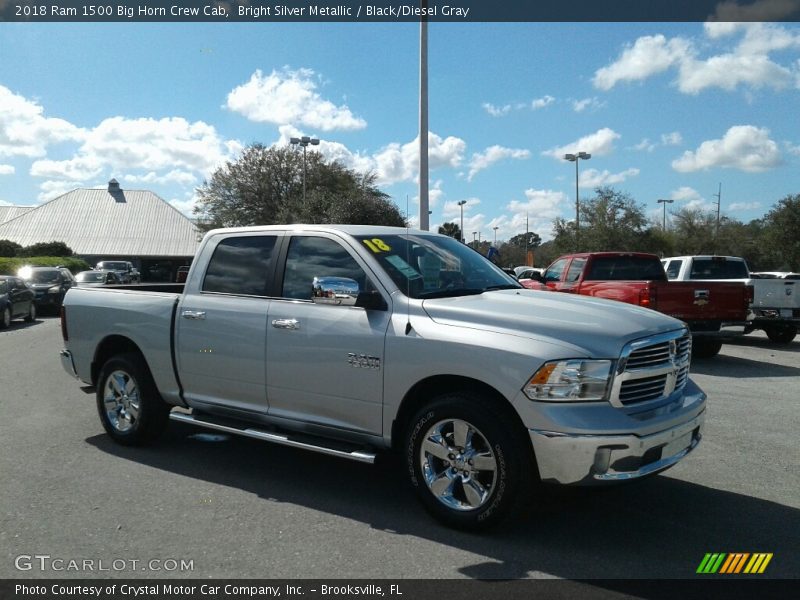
377, 245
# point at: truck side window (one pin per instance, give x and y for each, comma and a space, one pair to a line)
575, 269
240, 265
310, 257
674, 268
555, 270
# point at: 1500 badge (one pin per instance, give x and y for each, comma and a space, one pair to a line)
362, 361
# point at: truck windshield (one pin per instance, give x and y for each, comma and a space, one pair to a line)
429, 266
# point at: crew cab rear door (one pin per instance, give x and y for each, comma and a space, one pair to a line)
221, 328
326, 360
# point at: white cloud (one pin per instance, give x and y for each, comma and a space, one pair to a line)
581, 105
747, 65
451, 210
743, 147
599, 143
648, 56
6, 170
121, 144
496, 111
290, 97
672, 139
592, 178
182, 178
491, 155
645, 146
691, 198
25, 131
744, 206
397, 162
542, 102
54, 189
543, 204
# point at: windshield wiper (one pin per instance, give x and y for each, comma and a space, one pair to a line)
505, 286
450, 293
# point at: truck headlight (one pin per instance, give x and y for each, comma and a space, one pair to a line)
574, 380
54, 290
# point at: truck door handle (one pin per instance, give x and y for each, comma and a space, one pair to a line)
286, 323
197, 315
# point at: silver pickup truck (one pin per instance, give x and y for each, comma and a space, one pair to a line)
356, 340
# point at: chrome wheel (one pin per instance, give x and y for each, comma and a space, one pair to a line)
458, 465
121, 400
31, 313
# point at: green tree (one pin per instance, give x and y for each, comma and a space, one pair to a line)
782, 233
611, 220
264, 186
46, 249
513, 251
451, 229
9, 248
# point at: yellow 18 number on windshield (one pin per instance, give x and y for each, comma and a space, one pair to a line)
377, 245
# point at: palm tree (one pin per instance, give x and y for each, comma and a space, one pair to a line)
451, 229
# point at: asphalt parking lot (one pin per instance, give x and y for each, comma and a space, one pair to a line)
238, 508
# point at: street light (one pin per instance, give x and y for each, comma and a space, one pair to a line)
461, 204
304, 141
495, 235
474, 237
665, 202
576, 158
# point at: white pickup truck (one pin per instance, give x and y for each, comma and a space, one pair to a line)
776, 302
356, 340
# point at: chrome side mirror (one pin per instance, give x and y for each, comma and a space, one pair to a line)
341, 291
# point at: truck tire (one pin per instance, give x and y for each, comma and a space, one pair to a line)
129, 405
469, 463
705, 348
781, 334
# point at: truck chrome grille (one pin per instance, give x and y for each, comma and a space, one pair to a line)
652, 369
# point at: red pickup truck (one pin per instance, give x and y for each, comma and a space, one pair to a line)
712, 310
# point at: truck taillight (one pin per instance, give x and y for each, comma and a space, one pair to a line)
647, 297
64, 323
749, 294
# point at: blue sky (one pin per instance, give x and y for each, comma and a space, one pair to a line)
666, 110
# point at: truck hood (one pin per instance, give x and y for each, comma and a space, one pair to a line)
583, 325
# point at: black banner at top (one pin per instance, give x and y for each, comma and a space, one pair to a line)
398, 10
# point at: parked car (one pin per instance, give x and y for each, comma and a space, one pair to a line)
16, 300
713, 311
124, 269
776, 301
182, 273
96, 278
50, 284
355, 340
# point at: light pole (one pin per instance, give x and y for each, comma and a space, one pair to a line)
495, 235
304, 141
474, 237
577, 157
461, 204
665, 202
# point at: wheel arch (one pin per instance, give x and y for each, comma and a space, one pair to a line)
113, 345
431, 387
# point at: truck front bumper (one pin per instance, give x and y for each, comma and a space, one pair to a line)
581, 459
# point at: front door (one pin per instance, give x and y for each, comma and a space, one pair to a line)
326, 361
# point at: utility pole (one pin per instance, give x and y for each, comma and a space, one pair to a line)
423, 121
716, 229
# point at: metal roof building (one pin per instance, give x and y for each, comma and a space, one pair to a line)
12, 212
108, 224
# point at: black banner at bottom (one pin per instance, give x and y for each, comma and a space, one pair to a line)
399, 589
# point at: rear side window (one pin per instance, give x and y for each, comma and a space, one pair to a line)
575, 269
241, 265
674, 268
718, 268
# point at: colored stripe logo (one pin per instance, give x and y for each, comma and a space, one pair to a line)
734, 563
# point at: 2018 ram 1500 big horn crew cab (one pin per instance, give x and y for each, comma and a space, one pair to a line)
352, 340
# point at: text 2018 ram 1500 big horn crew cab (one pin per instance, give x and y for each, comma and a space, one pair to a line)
353, 340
